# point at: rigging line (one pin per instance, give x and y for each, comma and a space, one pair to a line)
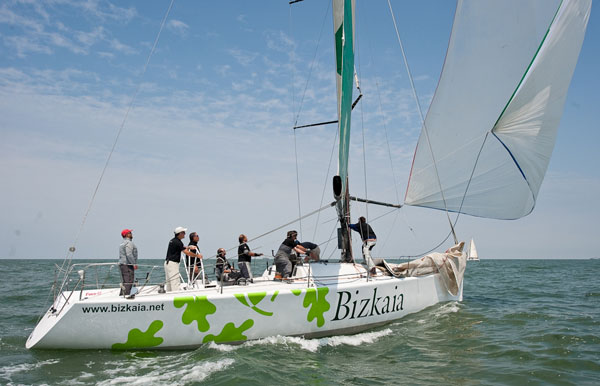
326, 181
312, 64
293, 112
437, 246
390, 230
293, 68
387, 140
412, 84
298, 183
461, 204
385, 214
362, 124
472, 173
293, 221
362, 117
331, 238
162, 24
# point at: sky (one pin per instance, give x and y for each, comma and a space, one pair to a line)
208, 143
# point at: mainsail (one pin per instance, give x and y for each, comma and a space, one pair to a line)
472, 254
343, 28
492, 123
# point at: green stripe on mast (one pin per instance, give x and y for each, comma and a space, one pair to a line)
343, 14
347, 74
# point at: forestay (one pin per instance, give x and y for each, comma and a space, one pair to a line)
498, 105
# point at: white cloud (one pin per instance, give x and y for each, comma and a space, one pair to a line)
279, 41
24, 45
223, 69
90, 38
178, 27
101, 10
104, 54
243, 57
121, 47
61, 41
9, 17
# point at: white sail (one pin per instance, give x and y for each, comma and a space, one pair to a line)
493, 120
472, 253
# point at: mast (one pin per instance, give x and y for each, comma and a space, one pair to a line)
343, 29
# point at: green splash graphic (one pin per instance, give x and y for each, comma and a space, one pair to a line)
138, 339
315, 299
197, 309
297, 292
255, 298
274, 295
230, 333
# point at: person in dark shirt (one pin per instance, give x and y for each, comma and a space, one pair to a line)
193, 261
173, 258
245, 257
312, 251
368, 237
222, 266
288, 248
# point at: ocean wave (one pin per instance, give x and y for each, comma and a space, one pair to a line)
173, 373
313, 345
6, 372
438, 311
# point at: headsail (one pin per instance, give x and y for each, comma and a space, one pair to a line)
343, 28
493, 120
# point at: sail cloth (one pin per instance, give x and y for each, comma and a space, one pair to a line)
450, 265
497, 106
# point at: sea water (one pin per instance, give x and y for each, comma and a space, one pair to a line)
521, 322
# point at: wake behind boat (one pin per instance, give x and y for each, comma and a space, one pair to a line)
484, 149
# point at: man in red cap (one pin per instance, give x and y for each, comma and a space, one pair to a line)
128, 255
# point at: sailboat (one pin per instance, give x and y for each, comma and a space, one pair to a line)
472, 254
483, 151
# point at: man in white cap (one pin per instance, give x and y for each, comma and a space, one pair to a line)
174, 258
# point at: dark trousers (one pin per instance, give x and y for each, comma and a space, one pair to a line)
245, 269
127, 273
284, 267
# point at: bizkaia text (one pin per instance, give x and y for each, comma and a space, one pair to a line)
354, 306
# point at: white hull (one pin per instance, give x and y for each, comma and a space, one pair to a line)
188, 318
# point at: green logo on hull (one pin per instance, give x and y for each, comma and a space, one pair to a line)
138, 339
255, 298
315, 299
230, 333
197, 309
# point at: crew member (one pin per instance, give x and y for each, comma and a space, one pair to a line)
128, 255
245, 257
173, 259
312, 251
193, 262
222, 266
283, 258
368, 237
